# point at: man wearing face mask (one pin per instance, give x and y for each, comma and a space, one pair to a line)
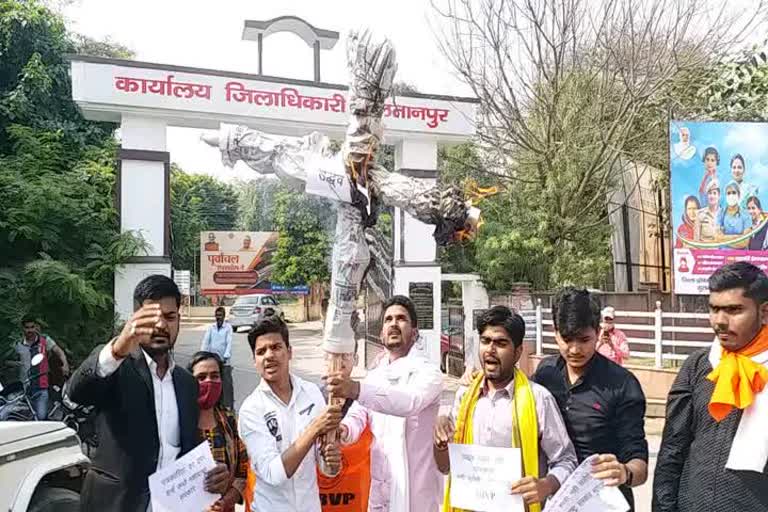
399, 399
714, 450
147, 406
602, 403
483, 413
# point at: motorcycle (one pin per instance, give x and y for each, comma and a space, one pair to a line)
15, 405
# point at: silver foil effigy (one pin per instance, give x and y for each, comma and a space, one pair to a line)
302, 161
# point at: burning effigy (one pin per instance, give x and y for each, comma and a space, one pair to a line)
352, 179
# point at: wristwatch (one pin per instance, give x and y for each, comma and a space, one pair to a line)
629, 475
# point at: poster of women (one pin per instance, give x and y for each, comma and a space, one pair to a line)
719, 189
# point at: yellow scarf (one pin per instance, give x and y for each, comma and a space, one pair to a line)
525, 430
738, 378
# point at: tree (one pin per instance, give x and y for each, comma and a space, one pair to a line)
59, 234
256, 204
198, 203
305, 225
568, 90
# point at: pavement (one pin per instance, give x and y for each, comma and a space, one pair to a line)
308, 363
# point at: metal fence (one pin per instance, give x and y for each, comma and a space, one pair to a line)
656, 336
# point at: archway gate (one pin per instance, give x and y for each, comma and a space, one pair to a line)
146, 98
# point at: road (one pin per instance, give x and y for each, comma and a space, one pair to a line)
308, 363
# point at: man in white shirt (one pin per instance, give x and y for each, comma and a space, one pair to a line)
399, 399
218, 339
147, 405
281, 423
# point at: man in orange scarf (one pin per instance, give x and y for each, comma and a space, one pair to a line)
714, 450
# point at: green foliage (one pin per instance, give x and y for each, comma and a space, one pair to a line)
256, 204
304, 224
521, 238
199, 202
106, 48
59, 233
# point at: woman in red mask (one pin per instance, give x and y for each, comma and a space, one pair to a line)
218, 426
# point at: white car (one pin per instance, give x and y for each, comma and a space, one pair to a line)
41, 467
248, 310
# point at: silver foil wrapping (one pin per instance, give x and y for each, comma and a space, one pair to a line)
372, 67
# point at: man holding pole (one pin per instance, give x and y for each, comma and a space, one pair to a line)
399, 399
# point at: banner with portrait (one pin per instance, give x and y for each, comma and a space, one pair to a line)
236, 262
719, 193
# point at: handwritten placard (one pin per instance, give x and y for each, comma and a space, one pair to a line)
180, 486
481, 478
327, 177
584, 493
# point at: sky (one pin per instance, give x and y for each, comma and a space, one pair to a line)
208, 34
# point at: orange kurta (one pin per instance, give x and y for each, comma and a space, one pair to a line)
346, 492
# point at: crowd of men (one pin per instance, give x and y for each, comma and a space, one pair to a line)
385, 446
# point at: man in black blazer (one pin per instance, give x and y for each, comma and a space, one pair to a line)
147, 406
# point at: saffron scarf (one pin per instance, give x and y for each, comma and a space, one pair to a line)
738, 378
525, 429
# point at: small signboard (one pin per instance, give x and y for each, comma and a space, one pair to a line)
183, 281
422, 295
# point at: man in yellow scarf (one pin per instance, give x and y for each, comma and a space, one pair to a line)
714, 450
503, 408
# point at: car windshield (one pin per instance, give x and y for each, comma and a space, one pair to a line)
254, 299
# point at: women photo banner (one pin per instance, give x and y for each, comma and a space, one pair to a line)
719, 192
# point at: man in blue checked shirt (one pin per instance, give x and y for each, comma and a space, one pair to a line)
218, 339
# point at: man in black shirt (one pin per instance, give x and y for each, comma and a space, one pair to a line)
602, 403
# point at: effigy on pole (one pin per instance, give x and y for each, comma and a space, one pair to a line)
354, 181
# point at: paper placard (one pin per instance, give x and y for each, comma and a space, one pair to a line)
180, 486
584, 493
328, 178
481, 478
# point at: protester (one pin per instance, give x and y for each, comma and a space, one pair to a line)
714, 448
281, 423
348, 491
217, 425
602, 403
146, 405
399, 400
31, 344
218, 339
612, 342
483, 413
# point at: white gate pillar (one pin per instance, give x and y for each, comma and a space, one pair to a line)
143, 202
417, 273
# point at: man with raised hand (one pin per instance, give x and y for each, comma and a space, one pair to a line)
147, 405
